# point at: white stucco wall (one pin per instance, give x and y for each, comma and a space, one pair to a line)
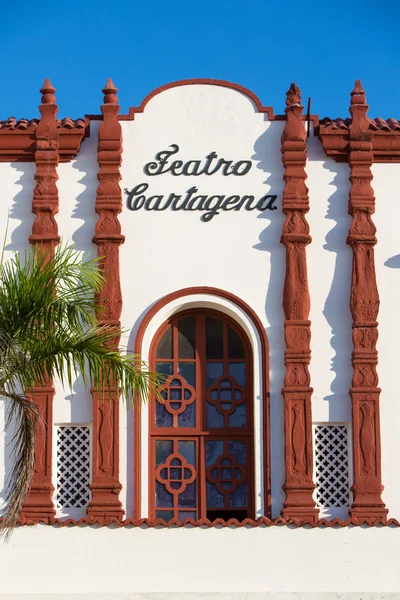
386, 185
76, 219
95, 563
329, 263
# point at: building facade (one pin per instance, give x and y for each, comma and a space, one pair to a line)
251, 258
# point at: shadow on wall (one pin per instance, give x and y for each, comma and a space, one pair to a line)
337, 306
81, 408
393, 262
268, 157
21, 208
84, 210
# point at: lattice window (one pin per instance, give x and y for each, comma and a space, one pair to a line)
73, 466
332, 465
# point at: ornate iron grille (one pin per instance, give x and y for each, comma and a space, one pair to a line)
73, 466
331, 465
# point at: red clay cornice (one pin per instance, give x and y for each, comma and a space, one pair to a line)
18, 138
335, 137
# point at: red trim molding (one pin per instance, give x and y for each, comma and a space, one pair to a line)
299, 486
217, 82
364, 304
261, 522
210, 291
105, 503
39, 502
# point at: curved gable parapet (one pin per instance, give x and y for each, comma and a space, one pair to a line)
257, 105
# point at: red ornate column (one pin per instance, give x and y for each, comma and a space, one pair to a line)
39, 504
105, 503
364, 304
299, 486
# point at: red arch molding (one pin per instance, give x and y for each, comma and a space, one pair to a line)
210, 291
218, 82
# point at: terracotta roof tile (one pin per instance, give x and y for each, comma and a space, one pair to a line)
71, 123
11, 123
377, 124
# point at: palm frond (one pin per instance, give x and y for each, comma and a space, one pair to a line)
65, 354
35, 291
25, 416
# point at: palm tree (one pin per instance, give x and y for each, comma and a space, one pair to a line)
49, 329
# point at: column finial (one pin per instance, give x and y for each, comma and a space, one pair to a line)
293, 96
48, 91
110, 92
358, 94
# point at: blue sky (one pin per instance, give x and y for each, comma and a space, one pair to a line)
262, 45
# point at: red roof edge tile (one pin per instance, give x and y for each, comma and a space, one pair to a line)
377, 124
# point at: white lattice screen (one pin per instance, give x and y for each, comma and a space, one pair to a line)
73, 466
331, 465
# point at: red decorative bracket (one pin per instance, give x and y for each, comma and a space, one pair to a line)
105, 503
364, 304
39, 504
299, 486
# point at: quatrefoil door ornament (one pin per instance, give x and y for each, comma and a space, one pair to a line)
176, 474
177, 395
226, 474
226, 395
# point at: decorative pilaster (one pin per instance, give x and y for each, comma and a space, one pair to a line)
364, 304
105, 503
39, 504
45, 194
299, 486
